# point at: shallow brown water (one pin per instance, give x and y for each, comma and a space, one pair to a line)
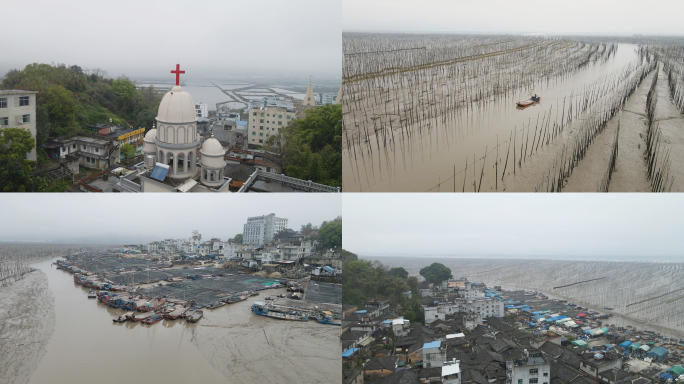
428, 161
87, 347
228, 345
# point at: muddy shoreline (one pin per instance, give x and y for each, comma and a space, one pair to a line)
27, 322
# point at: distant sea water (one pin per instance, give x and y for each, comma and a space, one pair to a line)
206, 92
646, 292
631, 258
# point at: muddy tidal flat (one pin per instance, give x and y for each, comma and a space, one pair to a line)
437, 113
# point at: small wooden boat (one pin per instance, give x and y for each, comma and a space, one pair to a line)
92, 295
124, 317
152, 319
195, 316
142, 316
176, 313
532, 100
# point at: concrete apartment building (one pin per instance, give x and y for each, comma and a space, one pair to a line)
533, 368
261, 229
202, 110
433, 354
92, 152
18, 110
266, 122
484, 306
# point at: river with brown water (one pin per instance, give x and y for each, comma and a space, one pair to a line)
228, 345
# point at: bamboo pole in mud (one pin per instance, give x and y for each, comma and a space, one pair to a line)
465, 173
423, 91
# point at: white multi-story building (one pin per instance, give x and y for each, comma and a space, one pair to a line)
451, 372
261, 229
267, 121
433, 354
440, 311
18, 110
201, 110
231, 249
328, 98
487, 307
532, 369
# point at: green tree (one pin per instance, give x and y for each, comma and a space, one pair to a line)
348, 256
330, 235
398, 272
126, 93
436, 273
312, 148
237, 239
308, 229
16, 173
128, 151
60, 107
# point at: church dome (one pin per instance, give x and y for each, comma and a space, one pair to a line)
212, 153
149, 144
212, 147
177, 107
150, 135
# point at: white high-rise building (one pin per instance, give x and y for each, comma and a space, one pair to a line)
201, 110
18, 110
261, 229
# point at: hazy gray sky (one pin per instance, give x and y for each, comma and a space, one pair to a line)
514, 224
147, 38
125, 218
550, 16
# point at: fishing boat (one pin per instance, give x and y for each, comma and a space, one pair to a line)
195, 316
532, 100
152, 319
124, 317
239, 297
328, 318
278, 312
176, 313
142, 316
92, 295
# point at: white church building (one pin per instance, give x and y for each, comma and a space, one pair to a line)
172, 148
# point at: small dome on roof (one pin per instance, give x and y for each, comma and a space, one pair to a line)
177, 107
212, 147
151, 135
149, 145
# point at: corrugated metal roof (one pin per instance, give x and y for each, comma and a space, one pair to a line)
434, 344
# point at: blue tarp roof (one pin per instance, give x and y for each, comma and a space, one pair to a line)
349, 352
625, 344
659, 351
434, 344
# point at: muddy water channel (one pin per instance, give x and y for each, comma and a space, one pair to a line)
87, 347
493, 145
228, 345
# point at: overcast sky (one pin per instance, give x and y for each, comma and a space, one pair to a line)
122, 218
514, 224
550, 16
147, 38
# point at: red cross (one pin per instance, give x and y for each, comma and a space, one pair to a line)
177, 72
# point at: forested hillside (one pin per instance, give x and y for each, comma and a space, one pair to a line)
70, 98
